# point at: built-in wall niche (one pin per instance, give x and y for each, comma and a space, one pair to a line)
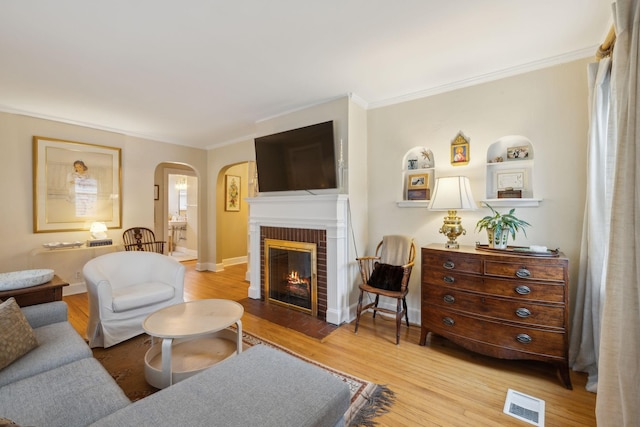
418, 177
509, 172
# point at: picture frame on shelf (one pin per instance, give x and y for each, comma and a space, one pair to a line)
518, 153
75, 184
418, 180
232, 193
512, 179
418, 186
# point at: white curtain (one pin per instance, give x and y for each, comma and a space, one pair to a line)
585, 332
618, 401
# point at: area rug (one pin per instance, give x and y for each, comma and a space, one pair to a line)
125, 364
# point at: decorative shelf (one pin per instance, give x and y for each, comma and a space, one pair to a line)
413, 203
418, 178
514, 203
510, 169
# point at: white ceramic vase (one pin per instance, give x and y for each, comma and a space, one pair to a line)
498, 241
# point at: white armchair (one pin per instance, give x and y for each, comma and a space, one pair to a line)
124, 288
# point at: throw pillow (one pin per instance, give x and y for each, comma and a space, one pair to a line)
16, 335
386, 276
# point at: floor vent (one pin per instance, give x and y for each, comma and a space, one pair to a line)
524, 407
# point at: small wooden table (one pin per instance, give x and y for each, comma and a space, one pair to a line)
47, 292
194, 336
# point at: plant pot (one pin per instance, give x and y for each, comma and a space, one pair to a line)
498, 241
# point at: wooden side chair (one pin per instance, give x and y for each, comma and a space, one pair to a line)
387, 274
142, 239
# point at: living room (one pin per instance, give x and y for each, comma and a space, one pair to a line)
546, 102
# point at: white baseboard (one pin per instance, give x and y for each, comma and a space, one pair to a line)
74, 288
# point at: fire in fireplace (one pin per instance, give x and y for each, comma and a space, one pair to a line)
290, 274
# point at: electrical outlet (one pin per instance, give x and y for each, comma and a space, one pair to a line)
77, 274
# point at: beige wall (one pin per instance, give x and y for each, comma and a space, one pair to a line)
231, 242
139, 160
548, 106
218, 161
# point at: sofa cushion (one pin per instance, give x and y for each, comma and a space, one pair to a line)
260, 387
141, 295
75, 394
16, 335
59, 344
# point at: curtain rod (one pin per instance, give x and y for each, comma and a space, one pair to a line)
606, 48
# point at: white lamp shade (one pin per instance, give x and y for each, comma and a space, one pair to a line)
98, 230
452, 193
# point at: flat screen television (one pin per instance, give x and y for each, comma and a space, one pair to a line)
297, 159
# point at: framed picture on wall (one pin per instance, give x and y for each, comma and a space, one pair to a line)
232, 193
460, 150
75, 184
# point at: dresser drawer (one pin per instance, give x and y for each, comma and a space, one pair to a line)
520, 289
527, 339
452, 261
524, 312
451, 278
527, 270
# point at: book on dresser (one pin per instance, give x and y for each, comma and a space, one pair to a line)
505, 305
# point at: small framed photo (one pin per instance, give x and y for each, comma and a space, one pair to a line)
511, 179
418, 180
460, 150
418, 186
518, 153
232, 193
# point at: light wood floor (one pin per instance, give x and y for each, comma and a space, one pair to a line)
436, 385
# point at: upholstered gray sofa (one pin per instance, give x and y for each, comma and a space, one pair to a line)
59, 383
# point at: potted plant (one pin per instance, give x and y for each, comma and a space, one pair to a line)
499, 226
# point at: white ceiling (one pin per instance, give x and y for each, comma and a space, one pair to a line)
202, 72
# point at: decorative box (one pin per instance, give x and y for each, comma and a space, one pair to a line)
509, 194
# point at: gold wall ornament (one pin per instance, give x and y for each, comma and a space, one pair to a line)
460, 154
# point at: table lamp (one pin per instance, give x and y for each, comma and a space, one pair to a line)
98, 230
452, 193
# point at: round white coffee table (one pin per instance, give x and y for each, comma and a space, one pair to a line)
194, 336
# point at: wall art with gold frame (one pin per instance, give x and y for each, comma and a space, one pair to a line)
232, 193
460, 154
75, 184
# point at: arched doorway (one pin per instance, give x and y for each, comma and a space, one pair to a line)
176, 209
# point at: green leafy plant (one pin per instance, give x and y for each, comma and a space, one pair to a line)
497, 223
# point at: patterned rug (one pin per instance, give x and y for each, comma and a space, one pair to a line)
124, 362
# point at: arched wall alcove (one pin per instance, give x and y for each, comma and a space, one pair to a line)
232, 213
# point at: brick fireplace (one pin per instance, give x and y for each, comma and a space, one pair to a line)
319, 219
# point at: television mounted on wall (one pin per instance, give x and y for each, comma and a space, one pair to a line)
297, 159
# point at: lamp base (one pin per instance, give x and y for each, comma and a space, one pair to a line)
452, 228
452, 245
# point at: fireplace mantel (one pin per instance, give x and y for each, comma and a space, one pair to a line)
321, 212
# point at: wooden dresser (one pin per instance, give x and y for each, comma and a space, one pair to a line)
501, 305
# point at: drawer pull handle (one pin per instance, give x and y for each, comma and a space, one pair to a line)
523, 290
449, 299
523, 338
523, 312
449, 279
523, 273
449, 265
448, 321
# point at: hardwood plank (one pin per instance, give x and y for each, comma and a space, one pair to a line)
439, 384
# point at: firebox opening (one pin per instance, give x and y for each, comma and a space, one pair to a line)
290, 274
